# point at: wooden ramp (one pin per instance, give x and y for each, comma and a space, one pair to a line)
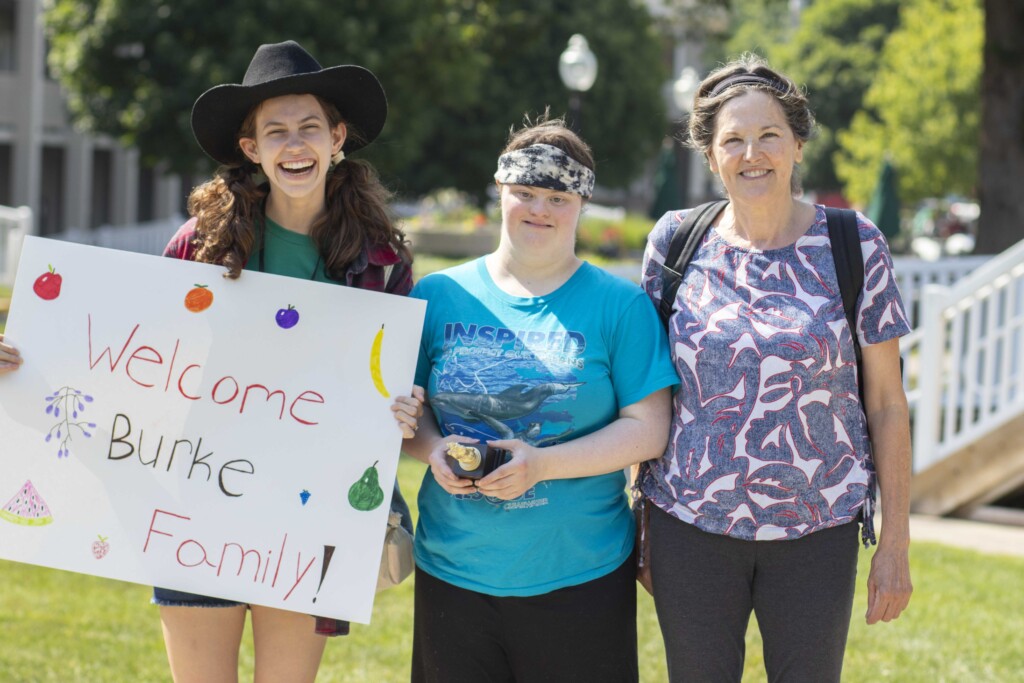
975, 475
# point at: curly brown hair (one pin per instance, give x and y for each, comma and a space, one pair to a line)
230, 214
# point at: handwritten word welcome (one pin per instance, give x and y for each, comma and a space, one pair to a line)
226, 390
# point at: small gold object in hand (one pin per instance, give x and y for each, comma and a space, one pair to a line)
467, 456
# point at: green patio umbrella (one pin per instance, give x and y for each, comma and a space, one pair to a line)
884, 208
667, 196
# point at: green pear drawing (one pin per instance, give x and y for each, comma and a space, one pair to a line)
365, 494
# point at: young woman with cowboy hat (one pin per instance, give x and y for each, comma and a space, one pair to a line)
313, 214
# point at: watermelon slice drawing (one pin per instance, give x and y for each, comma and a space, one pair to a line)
27, 507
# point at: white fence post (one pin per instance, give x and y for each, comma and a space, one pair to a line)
15, 224
931, 365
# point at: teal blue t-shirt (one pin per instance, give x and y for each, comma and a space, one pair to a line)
545, 370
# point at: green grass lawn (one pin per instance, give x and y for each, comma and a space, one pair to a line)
964, 624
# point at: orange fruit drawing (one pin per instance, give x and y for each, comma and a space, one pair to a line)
198, 299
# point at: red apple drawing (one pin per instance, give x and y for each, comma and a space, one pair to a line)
287, 318
100, 548
47, 285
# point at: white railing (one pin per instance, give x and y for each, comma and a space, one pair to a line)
964, 361
913, 274
15, 224
144, 238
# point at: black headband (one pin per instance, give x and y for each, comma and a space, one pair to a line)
748, 79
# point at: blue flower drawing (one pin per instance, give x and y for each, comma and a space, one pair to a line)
67, 404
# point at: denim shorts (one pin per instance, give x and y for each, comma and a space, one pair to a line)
166, 597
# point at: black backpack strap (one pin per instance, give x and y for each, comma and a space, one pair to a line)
681, 248
843, 234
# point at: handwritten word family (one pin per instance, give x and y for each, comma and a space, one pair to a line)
192, 554
148, 368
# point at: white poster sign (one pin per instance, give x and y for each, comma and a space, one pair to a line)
173, 427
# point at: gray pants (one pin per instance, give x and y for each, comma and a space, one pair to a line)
706, 585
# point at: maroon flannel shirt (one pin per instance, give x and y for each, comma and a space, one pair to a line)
366, 272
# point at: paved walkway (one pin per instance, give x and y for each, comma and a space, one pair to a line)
1002, 539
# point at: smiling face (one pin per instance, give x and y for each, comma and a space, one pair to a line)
539, 221
754, 149
293, 142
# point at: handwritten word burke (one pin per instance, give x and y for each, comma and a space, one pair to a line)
126, 449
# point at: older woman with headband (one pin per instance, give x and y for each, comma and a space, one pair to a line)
526, 574
774, 456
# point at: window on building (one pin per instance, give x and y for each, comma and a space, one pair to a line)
8, 36
100, 211
5, 174
52, 199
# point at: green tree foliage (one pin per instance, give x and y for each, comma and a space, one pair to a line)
133, 68
622, 116
457, 73
923, 107
834, 53
831, 48
758, 26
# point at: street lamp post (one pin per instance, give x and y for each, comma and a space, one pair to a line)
684, 88
577, 66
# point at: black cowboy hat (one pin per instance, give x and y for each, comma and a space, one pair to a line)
286, 69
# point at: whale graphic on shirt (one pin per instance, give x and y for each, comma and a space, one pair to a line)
512, 403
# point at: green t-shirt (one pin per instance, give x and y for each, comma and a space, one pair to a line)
289, 253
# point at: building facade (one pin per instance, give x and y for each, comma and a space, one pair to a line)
69, 180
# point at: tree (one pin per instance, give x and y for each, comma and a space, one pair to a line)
758, 26
929, 96
922, 108
1002, 127
831, 48
132, 68
834, 53
457, 73
622, 115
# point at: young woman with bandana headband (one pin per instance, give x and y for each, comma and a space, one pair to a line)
527, 574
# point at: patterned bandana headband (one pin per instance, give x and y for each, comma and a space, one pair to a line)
748, 79
545, 166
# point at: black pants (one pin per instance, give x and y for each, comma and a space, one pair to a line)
583, 633
706, 585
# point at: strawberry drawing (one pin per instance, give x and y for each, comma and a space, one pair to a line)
100, 548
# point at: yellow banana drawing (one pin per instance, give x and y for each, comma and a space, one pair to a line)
378, 381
